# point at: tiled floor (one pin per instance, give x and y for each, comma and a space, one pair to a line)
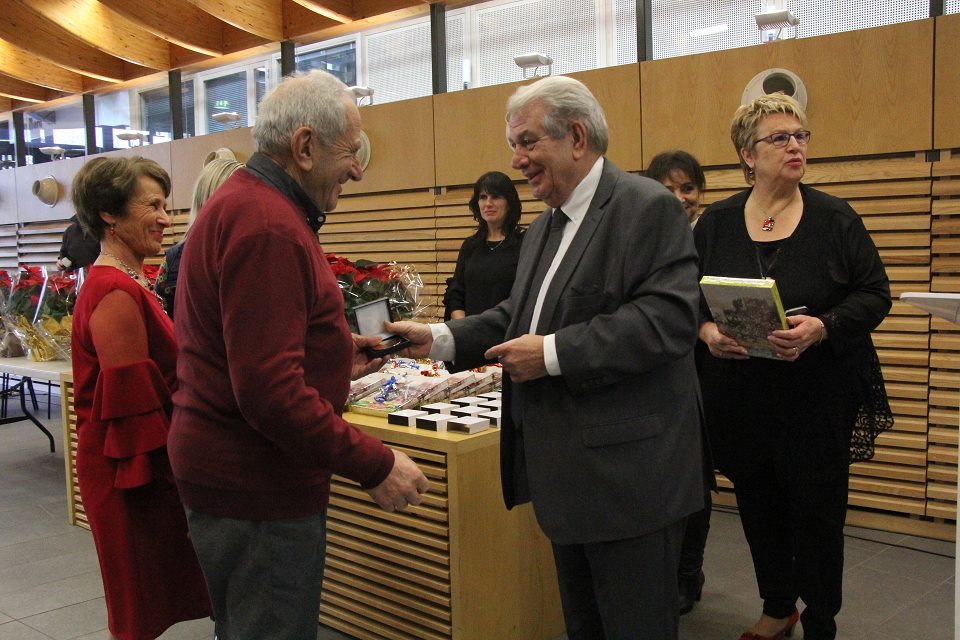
896, 587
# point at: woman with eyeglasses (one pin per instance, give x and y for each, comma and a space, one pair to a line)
781, 429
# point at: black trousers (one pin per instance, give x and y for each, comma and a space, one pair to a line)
795, 532
695, 539
623, 589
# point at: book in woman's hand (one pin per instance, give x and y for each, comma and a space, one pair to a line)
747, 310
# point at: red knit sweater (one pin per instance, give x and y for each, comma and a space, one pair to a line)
264, 368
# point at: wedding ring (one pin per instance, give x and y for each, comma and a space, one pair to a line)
797, 350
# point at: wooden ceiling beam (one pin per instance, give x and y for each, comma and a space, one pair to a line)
6, 104
175, 21
338, 10
263, 18
106, 30
20, 90
23, 65
28, 30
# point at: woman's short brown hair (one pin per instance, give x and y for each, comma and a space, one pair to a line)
746, 122
104, 185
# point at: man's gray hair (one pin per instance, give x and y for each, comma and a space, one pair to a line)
314, 99
565, 100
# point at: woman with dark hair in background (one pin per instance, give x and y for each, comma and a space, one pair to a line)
682, 174
487, 263
124, 368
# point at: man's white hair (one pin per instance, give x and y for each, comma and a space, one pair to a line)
565, 100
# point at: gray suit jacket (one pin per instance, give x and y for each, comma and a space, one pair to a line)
611, 449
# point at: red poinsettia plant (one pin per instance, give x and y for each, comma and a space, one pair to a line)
365, 281
39, 311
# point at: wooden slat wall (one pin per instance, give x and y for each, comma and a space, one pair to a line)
38, 243
389, 227
944, 341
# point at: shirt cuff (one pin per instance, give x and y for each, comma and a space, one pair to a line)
444, 348
550, 359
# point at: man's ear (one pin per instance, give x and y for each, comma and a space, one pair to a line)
301, 148
579, 134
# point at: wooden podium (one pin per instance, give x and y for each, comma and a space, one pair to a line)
946, 306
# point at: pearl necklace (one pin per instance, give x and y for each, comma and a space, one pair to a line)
139, 278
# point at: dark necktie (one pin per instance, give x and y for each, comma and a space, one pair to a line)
557, 221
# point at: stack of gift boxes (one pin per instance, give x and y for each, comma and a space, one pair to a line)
424, 395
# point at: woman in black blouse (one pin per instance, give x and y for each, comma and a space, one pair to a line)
487, 263
781, 429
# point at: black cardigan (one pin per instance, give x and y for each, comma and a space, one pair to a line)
801, 414
484, 276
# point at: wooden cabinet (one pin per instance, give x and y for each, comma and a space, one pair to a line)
458, 566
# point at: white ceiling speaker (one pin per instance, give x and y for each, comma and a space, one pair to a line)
47, 190
774, 80
365, 150
222, 153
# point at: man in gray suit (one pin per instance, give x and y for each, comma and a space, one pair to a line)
603, 421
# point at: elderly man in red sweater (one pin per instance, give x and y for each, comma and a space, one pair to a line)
265, 364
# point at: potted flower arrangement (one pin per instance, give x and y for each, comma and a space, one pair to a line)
365, 281
39, 311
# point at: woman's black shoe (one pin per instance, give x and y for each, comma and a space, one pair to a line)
691, 588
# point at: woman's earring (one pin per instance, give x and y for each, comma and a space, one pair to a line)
750, 173
113, 229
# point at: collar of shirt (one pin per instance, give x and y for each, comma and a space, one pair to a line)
579, 201
265, 168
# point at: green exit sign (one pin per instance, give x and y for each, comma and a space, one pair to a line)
222, 104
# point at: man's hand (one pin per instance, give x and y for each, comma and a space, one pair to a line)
521, 357
405, 485
362, 363
419, 335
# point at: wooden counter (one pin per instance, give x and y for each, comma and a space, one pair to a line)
457, 566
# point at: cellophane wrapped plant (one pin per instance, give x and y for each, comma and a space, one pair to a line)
9, 342
365, 281
39, 311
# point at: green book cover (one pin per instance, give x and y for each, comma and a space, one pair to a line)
747, 310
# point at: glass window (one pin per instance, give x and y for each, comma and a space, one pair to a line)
8, 155
226, 96
684, 27
112, 117
260, 79
155, 112
951, 6
339, 60
819, 17
565, 30
59, 131
398, 63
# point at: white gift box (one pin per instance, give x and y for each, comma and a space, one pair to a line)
434, 421
468, 424
493, 416
469, 400
439, 407
468, 411
492, 395
490, 404
405, 418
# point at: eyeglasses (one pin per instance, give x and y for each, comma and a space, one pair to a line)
782, 138
525, 143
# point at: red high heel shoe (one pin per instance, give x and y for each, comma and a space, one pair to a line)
786, 632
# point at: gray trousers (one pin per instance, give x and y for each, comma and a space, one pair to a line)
264, 577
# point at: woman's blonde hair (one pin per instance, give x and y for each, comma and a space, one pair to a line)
746, 122
213, 174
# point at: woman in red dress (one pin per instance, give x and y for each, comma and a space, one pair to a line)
124, 368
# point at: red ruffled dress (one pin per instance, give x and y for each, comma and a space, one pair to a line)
151, 576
